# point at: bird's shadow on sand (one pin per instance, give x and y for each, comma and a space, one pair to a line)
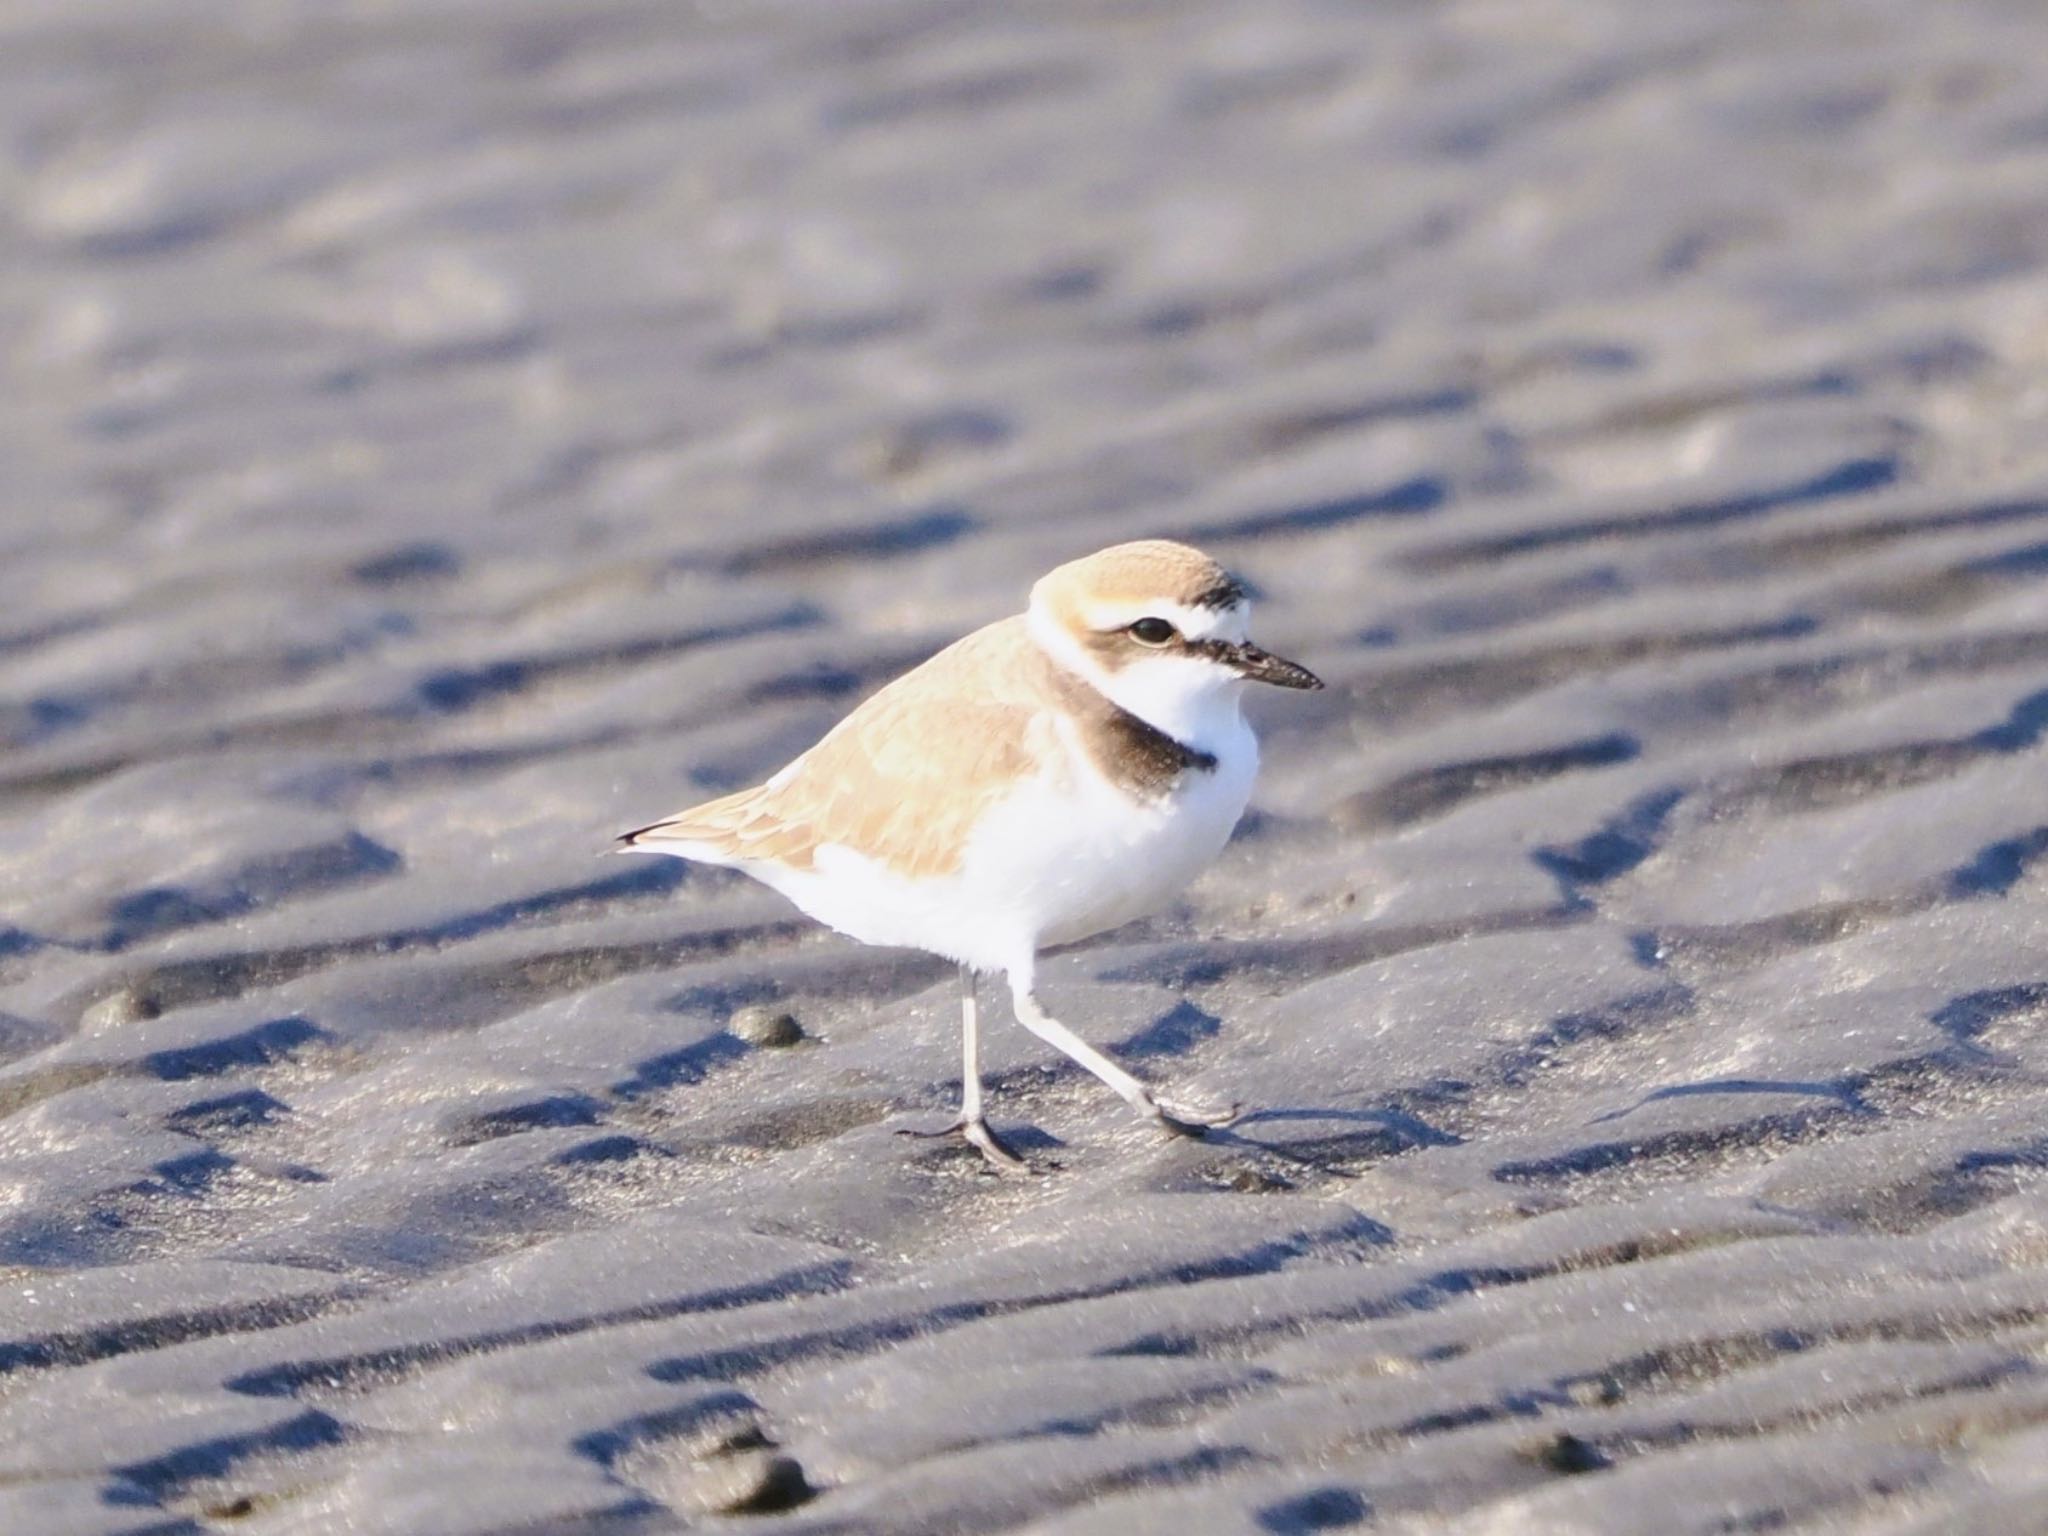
1347, 1138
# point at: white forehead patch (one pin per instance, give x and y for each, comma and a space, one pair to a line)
1195, 623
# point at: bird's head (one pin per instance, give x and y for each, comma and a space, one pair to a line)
1157, 626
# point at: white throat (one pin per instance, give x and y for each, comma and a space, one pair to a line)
1195, 701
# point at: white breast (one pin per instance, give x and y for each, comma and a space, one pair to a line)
1075, 859
1067, 855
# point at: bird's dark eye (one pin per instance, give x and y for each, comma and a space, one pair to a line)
1151, 631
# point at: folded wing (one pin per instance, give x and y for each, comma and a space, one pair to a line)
902, 780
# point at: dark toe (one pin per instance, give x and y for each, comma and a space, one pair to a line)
996, 1152
1188, 1120
955, 1129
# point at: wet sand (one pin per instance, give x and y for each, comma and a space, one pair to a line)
440, 436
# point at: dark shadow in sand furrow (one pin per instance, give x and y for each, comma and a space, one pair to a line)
798, 1343
286, 1379
1968, 1380
82, 1346
1705, 948
1371, 1136
1853, 477
1427, 793
1433, 1292
1409, 498
1671, 1374
1296, 961
1401, 692
1503, 606
1620, 844
1871, 534
443, 692
1291, 429
1822, 782
454, 689
885, 539
1688, 1149
520, 980
161, 1477
266, 884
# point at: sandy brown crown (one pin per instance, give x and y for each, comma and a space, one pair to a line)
1135, 573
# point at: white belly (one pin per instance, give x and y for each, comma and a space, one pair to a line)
1088, 864
1056, 862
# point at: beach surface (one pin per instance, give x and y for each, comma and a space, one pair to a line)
439, 436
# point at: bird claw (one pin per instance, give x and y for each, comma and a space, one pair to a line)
996, 1152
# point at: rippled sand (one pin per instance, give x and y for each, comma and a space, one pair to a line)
440, 435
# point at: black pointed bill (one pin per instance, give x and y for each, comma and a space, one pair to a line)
1258, 666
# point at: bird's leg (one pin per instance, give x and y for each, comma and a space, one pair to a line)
971, 1125
1181, 1119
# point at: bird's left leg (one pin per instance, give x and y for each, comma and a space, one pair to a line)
1180, 1118
971, 1125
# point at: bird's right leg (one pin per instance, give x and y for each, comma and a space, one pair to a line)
971, 1125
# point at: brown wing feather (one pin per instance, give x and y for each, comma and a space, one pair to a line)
903, 779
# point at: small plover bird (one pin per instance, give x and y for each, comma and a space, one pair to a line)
1051, 776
